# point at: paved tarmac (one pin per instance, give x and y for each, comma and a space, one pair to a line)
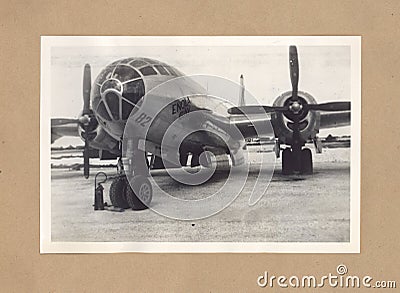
297, 208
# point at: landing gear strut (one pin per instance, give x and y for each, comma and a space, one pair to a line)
140, 192
132, 188
297, 161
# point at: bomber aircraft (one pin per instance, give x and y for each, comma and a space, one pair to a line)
118, 93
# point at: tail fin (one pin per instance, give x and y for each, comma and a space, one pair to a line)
241, 92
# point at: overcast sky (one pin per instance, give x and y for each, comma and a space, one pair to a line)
325, 71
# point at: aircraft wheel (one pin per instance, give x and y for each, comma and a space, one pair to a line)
306, 161
287, 162
118, 191
140, 194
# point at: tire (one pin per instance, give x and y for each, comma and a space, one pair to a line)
287, 162
306, 162
140, 193
118, 193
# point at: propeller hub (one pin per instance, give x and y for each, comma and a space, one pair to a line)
84, 119
296, 107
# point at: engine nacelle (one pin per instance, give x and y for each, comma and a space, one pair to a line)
100, 139
309, 121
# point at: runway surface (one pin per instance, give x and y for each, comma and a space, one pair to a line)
298, 208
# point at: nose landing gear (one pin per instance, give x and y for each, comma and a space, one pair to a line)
136, 195
140, 193
132, 188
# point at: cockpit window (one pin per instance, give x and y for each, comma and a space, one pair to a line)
148, 70
112, 100
148, 60
161, 69
138, 63
110, 84
133, 91
125, 73
125, 61
103, 112
126, 109
105, 74
172, 71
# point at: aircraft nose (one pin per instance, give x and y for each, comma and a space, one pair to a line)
114, 97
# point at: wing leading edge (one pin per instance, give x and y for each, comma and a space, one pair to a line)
335, 119
253, 125
63, 127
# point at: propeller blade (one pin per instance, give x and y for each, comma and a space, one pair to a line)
256, 109
294, 71
86, 159
270, 109
332, 106
62, 121
86, 88
87, 84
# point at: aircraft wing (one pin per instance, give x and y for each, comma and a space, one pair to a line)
335, 119
247, 124
63, 127
253, 125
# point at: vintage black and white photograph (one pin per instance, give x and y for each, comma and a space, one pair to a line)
200, 144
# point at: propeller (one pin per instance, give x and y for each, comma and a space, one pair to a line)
295, 108
85, 118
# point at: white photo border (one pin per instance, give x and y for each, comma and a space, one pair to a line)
48, 246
